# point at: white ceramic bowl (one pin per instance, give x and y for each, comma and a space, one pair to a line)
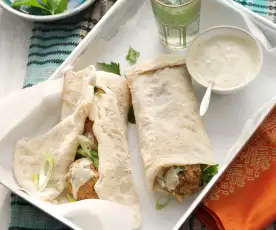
42, 18
218, 31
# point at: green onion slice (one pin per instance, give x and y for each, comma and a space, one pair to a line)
45, 172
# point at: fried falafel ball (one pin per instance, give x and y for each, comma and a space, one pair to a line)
81, 179
189, 181
180, 181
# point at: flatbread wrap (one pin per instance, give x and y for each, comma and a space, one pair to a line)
85, 155
75, 88
108, 174
58, 146
172, 138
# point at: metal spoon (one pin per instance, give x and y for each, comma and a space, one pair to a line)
206, 99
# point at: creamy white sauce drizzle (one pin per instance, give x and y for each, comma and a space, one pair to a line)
171, 179
80, 174
228, 60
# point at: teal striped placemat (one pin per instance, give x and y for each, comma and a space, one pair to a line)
266, 8
50, 45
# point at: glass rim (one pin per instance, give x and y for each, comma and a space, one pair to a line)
173, 6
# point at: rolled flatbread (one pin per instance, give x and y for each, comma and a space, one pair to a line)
75, 84
61, 142
172, 138
109, 115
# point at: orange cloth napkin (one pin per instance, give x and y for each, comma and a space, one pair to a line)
245, 196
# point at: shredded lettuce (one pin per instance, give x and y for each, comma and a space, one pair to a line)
88, 149
46, 172
86, 145
160, 206
208, 171
95, 158
93, 155
82, 153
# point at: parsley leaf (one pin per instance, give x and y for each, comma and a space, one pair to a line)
208, 171
56, 6
44, 2
47, 6
132, 56
131, 117
160, 206
111, 68
33, 3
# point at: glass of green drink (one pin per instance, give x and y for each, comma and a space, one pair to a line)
177, 21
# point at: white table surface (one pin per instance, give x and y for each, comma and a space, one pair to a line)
14, 43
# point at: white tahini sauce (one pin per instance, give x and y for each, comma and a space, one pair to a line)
80, 174
171, 179
228, 60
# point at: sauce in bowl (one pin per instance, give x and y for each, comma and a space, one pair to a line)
228, 59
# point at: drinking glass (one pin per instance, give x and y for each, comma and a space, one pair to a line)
177, 21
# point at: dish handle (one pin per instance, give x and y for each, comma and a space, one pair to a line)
81, 215
255, 30
95, 214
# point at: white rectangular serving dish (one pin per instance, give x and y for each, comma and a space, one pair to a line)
229, 121
265, 30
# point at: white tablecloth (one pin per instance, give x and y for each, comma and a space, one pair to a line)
14, 43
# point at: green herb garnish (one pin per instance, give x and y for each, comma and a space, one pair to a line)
160, 206
48, 7
45, 172
36, 179
179, 169
208, 171
70, 198
86, 145
98, 91
95, 158
88, 149
56, 6
93, 155
98, 94
83, 153
111, 68
132, 56
131, 117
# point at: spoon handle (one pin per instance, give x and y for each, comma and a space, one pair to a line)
206, 100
